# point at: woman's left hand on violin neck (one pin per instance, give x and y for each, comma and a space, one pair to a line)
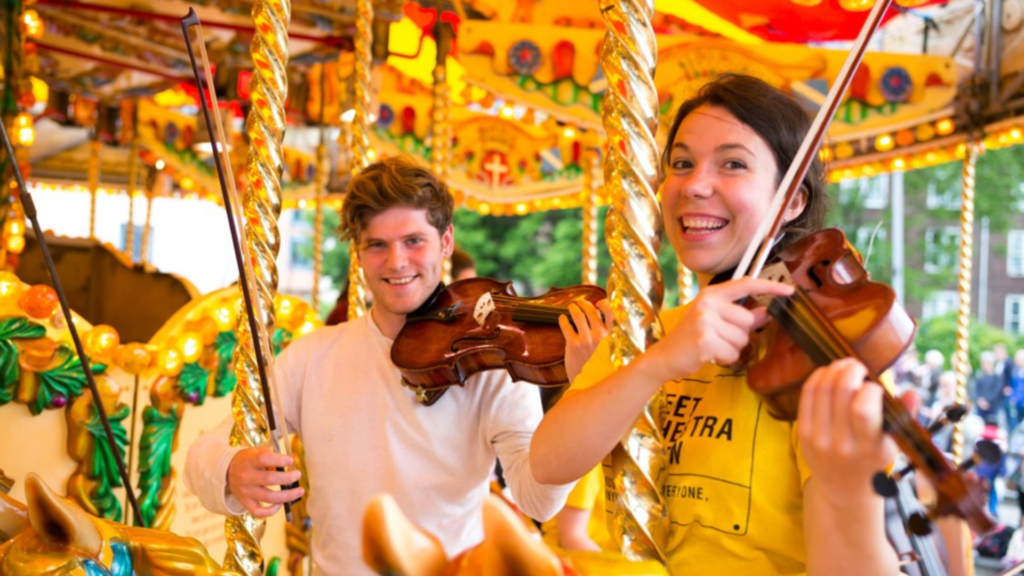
841, 440
840, 429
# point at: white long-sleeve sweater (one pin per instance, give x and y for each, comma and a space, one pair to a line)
364, 434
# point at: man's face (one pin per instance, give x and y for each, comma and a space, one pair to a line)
401, 254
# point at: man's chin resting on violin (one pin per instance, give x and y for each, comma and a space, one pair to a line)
364, 432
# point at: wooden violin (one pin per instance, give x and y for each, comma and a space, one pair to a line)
481, 324
835, 309
837, 312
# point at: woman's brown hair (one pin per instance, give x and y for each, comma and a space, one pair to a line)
780, 121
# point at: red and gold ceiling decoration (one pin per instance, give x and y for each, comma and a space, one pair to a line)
525, 76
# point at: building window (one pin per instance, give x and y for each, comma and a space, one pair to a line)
869, 193
942, 199
940, 248
301, 245
1015, 253
875, 192
1012, 315
940, 302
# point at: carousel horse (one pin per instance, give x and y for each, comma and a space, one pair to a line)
53, 536
393, 546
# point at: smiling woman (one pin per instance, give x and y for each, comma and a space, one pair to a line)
745, 493
743, 147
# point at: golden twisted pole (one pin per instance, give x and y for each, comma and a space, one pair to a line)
14, 74
322, 175
144, 249
261, 203
687, 288
439, 155
356, 285
591, 172
446, 269
438, 120
633, 230
133, 169
95, 147
961, 362
362, 66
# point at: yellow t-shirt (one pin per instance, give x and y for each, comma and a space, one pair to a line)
734, 487
588, 494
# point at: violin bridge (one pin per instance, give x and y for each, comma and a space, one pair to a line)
777, 272
483, 309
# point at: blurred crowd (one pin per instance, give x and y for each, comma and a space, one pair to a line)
995, 402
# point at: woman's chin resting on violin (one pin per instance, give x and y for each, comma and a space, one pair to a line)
746, 493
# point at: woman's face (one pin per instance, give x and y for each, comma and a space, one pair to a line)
720, 180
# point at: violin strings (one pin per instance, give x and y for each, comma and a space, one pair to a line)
804, 319
535, 308
537, 313
513, 302
895, 416
541, 311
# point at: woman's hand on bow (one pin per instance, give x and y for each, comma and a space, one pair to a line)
715, 328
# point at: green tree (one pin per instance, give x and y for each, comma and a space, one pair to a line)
939, 333
335, 255
998, 194
542, 249
536, 251
847, 212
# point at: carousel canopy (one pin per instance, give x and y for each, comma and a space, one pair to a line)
524, 79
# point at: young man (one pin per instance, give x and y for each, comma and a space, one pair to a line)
364, 433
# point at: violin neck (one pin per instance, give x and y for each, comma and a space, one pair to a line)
812, 331
538, 313
542, 313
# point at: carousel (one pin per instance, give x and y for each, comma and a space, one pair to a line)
518, 107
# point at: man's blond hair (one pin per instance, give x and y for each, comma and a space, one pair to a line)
395, 181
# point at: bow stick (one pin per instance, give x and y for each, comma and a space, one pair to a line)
30, 212
790, 184
257, 328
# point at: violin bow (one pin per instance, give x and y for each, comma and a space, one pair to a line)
30, 212
790, 185
236, 222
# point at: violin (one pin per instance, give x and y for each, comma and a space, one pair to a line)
481, 324
837, 312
